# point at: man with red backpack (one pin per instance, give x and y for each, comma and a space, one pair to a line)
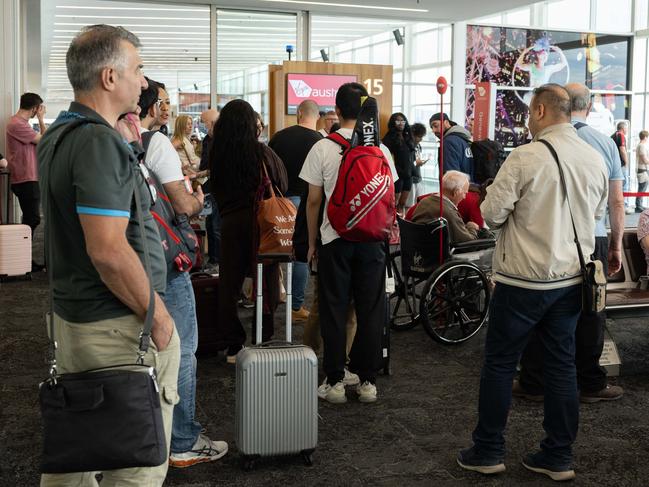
356, 178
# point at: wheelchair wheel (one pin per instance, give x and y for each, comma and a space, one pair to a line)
454, 302
404, 312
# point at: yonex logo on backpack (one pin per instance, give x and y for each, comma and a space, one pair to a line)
378, 182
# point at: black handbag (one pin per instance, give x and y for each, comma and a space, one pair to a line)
593, 285
101, 419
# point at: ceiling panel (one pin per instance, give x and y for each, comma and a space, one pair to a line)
176, 42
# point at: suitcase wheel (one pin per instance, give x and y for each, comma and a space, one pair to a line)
307, 456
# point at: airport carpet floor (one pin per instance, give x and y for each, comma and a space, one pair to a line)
410, 437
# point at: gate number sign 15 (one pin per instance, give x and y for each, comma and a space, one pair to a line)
374, 86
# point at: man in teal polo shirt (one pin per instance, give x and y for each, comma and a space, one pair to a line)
100, 287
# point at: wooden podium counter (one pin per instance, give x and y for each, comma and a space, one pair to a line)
376, 78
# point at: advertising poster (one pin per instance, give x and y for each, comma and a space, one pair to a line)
518, 60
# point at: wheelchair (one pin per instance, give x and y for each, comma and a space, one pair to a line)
444, 287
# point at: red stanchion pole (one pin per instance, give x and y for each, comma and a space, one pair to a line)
442, 85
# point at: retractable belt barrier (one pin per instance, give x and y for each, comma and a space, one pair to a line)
639, 195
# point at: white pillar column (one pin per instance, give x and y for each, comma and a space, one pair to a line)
213, 56
303, 48
10, 62
458, 69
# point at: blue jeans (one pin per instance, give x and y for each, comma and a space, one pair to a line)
180, 302
213, 230
514, 312
642, 187
300, 271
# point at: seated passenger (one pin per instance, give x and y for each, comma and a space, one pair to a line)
455, 187
643, 233
469, 207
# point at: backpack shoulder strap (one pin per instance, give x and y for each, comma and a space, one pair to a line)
69, 127
146, 139
340, 140
579, 125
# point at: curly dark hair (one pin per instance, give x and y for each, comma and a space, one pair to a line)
393, 134
236, 154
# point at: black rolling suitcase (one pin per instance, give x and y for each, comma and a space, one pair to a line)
385, 338
210, 338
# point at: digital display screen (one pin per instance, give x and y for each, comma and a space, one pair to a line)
321, 88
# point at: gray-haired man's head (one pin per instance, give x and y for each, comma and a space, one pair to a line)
456, 186
550, 106
95, 48
579, 98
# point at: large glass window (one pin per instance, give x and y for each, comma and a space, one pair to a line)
641, 11
569, 14
175, 47
613, 16
247, 42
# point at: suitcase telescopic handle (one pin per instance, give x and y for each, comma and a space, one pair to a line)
259, 302
275, 257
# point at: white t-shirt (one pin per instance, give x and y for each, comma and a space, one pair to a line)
321, 169
323, 132
642, 149
162, 158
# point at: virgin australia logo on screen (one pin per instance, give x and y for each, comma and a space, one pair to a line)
301, 89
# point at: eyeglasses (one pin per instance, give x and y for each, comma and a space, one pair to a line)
400, 122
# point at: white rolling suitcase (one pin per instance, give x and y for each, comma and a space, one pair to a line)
15, 250
276, 393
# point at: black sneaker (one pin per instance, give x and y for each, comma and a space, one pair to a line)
536, 463
469, 459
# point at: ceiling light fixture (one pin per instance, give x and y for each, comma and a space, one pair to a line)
148, 9
83, 24
348, 5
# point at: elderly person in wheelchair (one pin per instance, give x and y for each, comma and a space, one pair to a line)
454, 189
441, 270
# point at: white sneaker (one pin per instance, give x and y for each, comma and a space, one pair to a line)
204, 450
366, 392
323, 389
333, 394
350, 379
628, 210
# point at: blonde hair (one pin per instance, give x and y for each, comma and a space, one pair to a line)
179, 128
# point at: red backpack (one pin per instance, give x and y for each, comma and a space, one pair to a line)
362, 206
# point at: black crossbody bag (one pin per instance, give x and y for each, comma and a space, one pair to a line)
101, 419
593, 287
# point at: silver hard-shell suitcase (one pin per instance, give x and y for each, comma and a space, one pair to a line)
276, 393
